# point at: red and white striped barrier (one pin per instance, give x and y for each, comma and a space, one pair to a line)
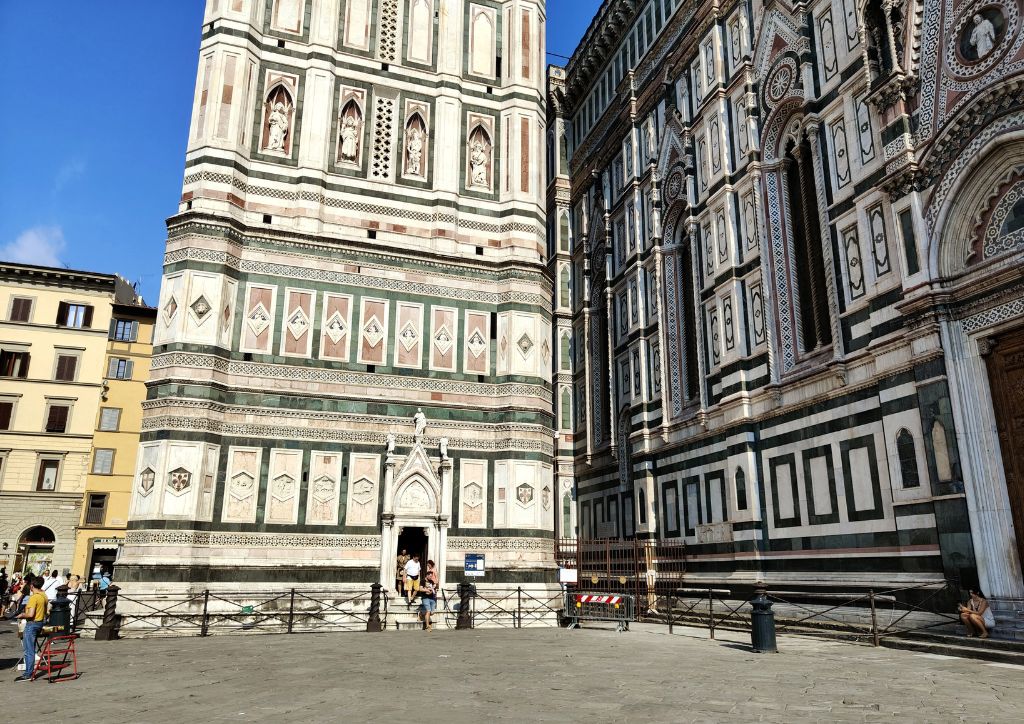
596, 598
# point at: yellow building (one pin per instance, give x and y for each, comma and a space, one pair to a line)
54, 325
108, 487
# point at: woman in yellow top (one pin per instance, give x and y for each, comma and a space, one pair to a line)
35, 616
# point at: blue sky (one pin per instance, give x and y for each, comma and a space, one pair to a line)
93, 135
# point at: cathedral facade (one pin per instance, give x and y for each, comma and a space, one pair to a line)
354, 341
794, 262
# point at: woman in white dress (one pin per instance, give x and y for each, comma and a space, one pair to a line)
977, 616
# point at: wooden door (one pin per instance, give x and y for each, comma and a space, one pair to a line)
1006, 375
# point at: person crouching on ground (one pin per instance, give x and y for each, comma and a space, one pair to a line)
412, 579
977, 616
34, 616
428, 595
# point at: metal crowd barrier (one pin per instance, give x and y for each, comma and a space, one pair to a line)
616, 607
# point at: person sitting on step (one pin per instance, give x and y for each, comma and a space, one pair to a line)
977, 615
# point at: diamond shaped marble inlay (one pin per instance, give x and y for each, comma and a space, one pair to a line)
409, 336
373, 332
525, 344
259, 319
336, 327
171, 308
477, 344
443, 339
298, 323
201, 308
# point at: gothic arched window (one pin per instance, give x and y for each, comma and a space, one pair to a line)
691, 384
907, 454
808, 262
741, 489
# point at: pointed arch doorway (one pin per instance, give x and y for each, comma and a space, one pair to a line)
417, 512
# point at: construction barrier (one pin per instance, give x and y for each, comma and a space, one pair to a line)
616, 607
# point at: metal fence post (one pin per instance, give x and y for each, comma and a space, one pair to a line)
291, 611
108, 630
874, 618
671, 611
373, 623
465, 619
519, 606
205, 628
711, 612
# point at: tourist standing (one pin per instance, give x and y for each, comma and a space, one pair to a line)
104, 582
51, 585
428, 594
403, 558
34, 616
412, 579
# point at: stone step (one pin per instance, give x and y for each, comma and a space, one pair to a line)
963, 648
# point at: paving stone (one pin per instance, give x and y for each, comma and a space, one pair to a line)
543, 675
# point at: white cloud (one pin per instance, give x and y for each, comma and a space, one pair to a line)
71, 170
40, 245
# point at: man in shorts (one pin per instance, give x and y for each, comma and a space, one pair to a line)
412, 579
403, 558
428, 596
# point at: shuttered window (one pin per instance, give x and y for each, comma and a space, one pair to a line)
103, 461
78, 316
124, 330
110, 419
6, 413
97, 509
21, 309
120, 369
14, 364
67, 365
57, 418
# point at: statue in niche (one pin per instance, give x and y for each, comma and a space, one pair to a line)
279, 125
479, 159
443, 448
983, 36
414, 149
350, 139
420, 422
391, 443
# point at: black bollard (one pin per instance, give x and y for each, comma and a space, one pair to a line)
762, 623
465, 619
108, 630
60, 611
373, 623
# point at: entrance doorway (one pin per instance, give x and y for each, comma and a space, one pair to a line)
413, 541
1006, 378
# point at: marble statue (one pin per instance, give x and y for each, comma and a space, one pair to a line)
478, 163
415, 149
983, 37
420, 421
278, 127
391, 443
349, 138
443, 447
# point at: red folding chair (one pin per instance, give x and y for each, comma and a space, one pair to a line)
56, 657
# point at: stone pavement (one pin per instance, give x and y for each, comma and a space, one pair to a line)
547, 675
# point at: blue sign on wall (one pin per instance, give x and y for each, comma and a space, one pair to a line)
475, 565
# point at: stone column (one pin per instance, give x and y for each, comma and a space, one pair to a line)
988, 503
443, 520
388, 533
